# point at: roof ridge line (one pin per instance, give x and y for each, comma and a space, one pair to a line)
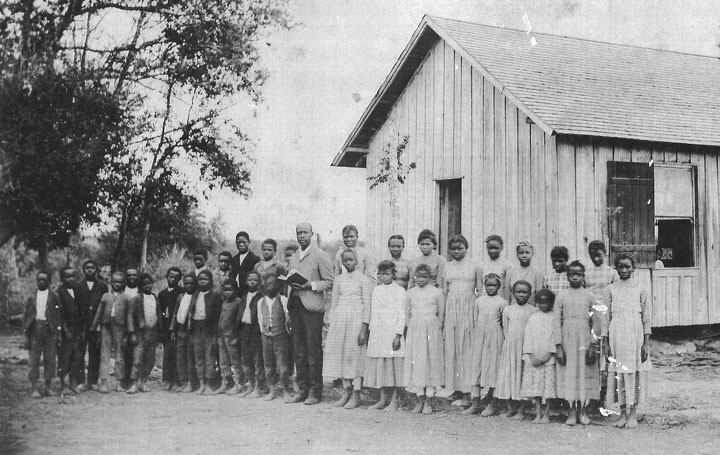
632, 46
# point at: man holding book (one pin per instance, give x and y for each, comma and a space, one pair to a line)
307, 308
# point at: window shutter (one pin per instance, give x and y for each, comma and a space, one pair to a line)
631, 211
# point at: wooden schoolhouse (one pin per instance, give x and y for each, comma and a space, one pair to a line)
559, 141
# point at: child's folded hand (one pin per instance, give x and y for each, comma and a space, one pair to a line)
644, 352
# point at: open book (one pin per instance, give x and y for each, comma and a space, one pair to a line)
293, 277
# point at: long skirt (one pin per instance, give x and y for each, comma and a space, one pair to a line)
384, 372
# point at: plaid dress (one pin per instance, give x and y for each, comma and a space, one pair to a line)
556, 282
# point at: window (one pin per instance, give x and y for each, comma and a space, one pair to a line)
450, 211
630, 204
675, 215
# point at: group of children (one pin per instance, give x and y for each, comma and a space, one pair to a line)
500, 337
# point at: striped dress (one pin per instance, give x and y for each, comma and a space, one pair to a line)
351, 295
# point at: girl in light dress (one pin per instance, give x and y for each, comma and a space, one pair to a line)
385, 346
495, 264
538, 378
487, 343
626, 342
424, 363
345, 351
525, 271
510, 370
578, 372
462, 278
396, 245
427, 242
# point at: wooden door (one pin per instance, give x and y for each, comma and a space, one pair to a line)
631, 211
450, 212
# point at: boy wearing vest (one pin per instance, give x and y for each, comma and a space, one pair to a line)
114, 322
42, 324
251, 354
275, 328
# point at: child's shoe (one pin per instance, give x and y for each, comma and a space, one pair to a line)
427, 408
103, 389
202, 390
474, 407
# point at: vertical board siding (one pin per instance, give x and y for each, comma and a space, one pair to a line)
520, 183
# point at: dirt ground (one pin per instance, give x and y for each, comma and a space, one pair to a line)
683, 417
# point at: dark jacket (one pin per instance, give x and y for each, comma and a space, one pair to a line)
137, 312
53, 313
213, 305
254, 326
89, 299
240, 271
167, 303
73, 314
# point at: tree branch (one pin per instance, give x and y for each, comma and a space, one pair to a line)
130, 56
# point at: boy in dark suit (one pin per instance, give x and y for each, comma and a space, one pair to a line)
42, 324
167, 300
243, 262
114, 323
251, 354
72, 351
89, 293
181, 326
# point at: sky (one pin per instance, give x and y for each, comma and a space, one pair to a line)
324, 73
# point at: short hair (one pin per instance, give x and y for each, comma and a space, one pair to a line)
242, 234
559, 252
190, 275
90, 261
427, 234
200, 252
145, 276
207, 273
523, 282
423, 268
118, 273
577, 264
458, 238
496, 238
350, 228
228, 282
386, 265
492, 277
291, 247
130, 268
225, 253
396, 237
270, 242
253, 272
173, 269
550, 295
625, 255
65, 269
44, 272
596, 245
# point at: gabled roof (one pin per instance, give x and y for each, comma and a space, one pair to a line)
567, 85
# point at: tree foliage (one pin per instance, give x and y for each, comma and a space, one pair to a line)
176, 69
